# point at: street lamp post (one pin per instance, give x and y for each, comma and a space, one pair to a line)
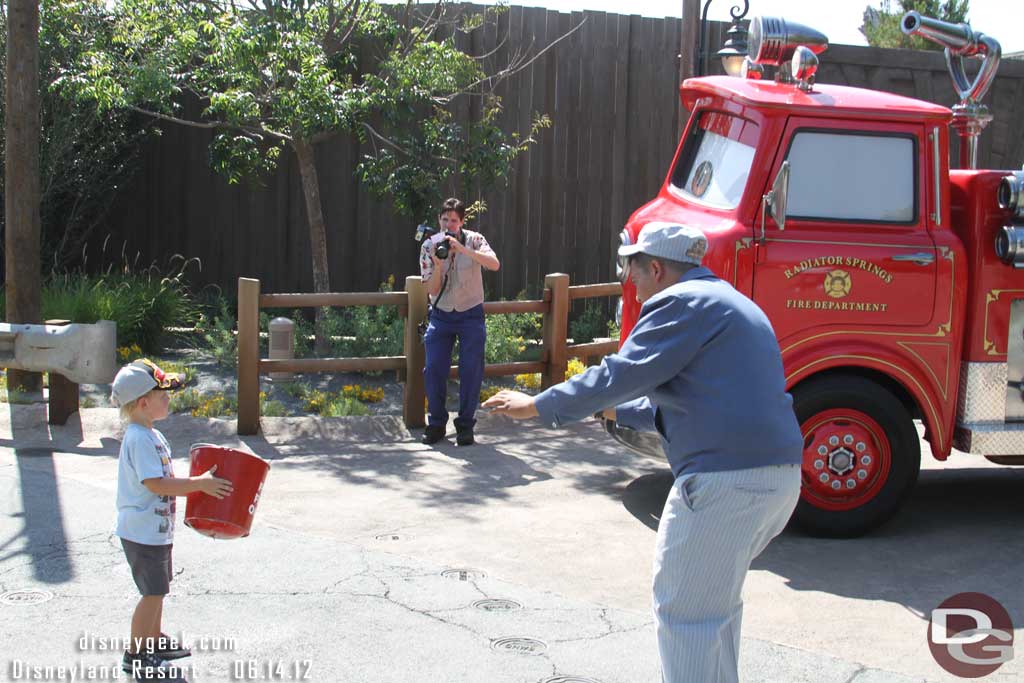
735, 48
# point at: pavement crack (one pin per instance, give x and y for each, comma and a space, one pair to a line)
860, 669
429, 614
605, 635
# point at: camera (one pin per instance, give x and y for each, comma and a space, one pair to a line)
442, 248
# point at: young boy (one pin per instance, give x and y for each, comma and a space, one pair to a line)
146, 488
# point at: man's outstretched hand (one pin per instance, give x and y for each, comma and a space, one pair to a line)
515, 404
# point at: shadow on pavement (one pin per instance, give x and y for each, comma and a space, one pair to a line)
959, 531
42, 537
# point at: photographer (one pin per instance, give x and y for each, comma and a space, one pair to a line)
450, 264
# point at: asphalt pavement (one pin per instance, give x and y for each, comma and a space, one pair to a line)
524, 558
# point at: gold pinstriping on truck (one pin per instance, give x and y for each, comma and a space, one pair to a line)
740, 245
942, 330
924, 394
990, 298
944, 384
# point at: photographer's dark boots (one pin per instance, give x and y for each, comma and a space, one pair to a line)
433, 434
464, 436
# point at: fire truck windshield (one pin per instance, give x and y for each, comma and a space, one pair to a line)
715, 162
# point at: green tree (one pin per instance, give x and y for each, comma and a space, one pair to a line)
882, 25
84, 157
277, 75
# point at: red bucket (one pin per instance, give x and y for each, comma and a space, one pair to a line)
229, 517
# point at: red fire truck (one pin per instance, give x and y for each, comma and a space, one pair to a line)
892, 282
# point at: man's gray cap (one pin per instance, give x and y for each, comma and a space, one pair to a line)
672, 241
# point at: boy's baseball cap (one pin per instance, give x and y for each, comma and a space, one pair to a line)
672, 241
140, 377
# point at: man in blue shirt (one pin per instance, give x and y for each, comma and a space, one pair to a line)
702, 368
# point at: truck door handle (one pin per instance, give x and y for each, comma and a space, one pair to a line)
921, 258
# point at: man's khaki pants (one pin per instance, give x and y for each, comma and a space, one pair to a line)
713, 526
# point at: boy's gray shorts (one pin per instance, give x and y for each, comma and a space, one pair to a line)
151, 566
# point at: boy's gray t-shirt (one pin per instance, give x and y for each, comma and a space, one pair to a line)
143, 516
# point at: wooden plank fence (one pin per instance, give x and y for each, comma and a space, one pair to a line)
553, 305
612, 92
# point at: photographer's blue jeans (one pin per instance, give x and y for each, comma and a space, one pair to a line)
442, 331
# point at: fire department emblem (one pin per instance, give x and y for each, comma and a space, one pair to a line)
838, 284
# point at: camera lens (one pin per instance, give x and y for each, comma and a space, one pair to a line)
441, 250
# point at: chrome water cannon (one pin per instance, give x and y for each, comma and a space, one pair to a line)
969, 116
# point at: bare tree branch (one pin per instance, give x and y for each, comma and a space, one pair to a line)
512, 69
385, 140
332, 44
209, 125
394, 145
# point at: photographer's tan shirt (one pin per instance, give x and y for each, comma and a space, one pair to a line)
465, 287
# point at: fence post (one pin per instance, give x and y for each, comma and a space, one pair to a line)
63, 397
556, 329
415, 356
248, 355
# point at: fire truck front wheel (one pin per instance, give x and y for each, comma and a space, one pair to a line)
861, 455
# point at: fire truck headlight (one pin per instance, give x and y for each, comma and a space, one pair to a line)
1011, 193
1010, 245
773, 40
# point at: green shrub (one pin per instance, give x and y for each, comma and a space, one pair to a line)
509, 334
591, 323
294, 389
185, 401
273, 409
219, 335
142, 304
332, 405
364, 331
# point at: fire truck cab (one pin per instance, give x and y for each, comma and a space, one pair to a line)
890, 280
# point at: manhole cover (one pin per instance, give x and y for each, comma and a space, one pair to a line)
27, 596
497, 605
570, 679
389, 537
463, 574
520, 646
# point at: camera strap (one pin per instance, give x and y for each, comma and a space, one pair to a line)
430, 307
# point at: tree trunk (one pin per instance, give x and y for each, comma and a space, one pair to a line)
317, 233
21, 180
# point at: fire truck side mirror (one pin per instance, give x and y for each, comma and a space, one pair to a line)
774, 203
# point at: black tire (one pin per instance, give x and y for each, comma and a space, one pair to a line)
884, 491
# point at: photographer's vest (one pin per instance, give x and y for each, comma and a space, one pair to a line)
465, 286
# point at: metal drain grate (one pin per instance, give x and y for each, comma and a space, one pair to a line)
570, 679
25, 596
464, 574
497, 605
520, 646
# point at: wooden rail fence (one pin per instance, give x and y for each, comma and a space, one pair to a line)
412, 305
